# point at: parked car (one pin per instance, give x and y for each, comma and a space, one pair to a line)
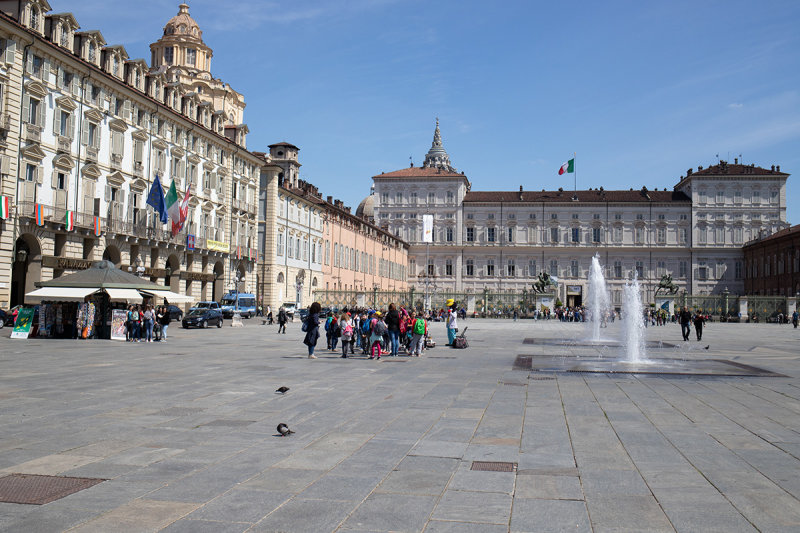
325, 312
206, 305
303, 313
202, 318
290, 308
175, 312
3, 318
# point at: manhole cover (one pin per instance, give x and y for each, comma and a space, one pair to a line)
32, 489
493, 466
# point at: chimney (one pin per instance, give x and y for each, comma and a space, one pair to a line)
773, 168
330, 199
688, 172
699, 168
778, 168
520, 188
735, 160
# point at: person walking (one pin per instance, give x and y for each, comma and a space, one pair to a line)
312, 329
698, 325
452, 324
282, 320
393, 327
165, 319
419, 329
377, 331
685, 318
795, 318
129, 328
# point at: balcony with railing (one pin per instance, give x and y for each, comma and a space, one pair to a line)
33, 133
91, 153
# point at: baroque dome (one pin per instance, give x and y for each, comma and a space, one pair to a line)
183, 24
366, 209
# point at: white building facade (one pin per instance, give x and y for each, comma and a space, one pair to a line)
501, 240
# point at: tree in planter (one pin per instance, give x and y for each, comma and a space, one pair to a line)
558, 303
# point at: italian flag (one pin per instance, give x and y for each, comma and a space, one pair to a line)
5, 207
567, 167
173, 205
69, 223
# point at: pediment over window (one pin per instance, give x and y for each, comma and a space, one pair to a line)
33, 151
117, 125
222, 172
222, 210
177, 151
139, 135
116, 178
159, 144
91, 171
65, 102
93, 114
193, 202
36, 89
138, 185
207, 206
194, 158
209, 165
63, 161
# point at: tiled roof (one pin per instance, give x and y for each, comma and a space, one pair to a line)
583, 196
777, 235
289, 145
723, 169
421, 172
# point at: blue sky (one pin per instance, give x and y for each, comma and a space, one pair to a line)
641, 91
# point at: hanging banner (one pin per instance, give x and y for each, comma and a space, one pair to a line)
427, 228
22, 327
546, 302
118, 318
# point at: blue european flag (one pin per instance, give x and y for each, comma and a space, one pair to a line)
156, 200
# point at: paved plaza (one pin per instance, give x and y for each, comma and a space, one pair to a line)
184, 433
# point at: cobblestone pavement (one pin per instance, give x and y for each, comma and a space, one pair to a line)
185, 434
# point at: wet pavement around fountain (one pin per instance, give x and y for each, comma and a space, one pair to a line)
185, 434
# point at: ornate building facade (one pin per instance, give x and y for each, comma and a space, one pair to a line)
310, 244
84, 131
501, 240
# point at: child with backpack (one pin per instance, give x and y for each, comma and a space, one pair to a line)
364, 328
419, 329
346, 332
328, 332
377, 330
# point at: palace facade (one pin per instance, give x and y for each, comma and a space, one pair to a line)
501, 240
84, 131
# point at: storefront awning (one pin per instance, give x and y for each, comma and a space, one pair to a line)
171, 297
124, 295
59, 294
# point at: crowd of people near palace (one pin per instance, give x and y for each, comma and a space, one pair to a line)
375, 333
147, 324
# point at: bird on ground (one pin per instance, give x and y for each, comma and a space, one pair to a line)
283, 390
707, 347
284, 430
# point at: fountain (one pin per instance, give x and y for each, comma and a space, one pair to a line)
599, 304
633, 322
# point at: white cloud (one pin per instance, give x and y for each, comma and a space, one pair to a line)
735, 105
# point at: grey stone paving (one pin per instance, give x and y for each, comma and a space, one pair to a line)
185, 434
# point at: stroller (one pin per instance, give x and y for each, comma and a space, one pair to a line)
461, 340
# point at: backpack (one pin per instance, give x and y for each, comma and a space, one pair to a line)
419, 327
379, 329
403, 326
365, 327
328, 323
305, 325
348, 331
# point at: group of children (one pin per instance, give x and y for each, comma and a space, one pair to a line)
371, 333
145, 324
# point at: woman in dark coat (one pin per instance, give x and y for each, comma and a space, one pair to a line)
393, 326
312, 330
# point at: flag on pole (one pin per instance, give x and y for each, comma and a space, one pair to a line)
427, 228
97, 227
173, 206
567, 167
69, 222
5, 207
183, 211
156, 200
39, 213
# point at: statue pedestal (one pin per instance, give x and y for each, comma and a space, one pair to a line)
236, 321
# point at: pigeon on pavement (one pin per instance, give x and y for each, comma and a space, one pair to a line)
284, 430
707, 347
283, 390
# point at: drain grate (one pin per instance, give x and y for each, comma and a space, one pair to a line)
32, 489
542, 378
493, 466
513, 384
